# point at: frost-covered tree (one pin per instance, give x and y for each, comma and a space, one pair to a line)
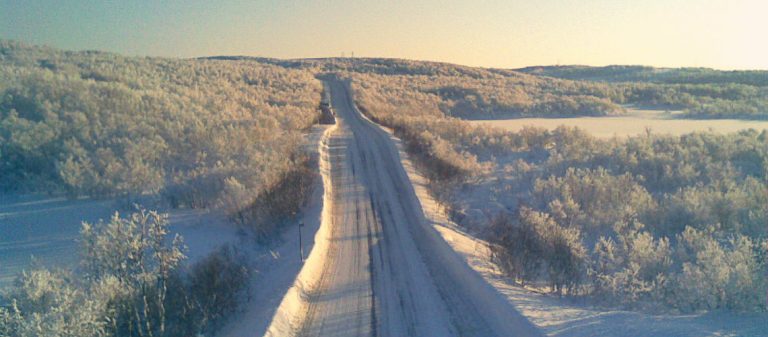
218, 284
633, 270
134, 251
51, 303
131, 283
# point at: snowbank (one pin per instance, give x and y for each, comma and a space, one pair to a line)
293, 306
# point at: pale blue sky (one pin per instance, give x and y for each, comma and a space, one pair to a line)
725, 34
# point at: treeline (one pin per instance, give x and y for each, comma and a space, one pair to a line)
618, 73
473, 93
651, 221
490, 95
701, 92
469, 92
132, 281
710, 100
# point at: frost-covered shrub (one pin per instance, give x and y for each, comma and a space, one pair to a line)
592, 199
566, 259
278, 202
737, 207
633, 270
533, 247
444, 163
51, 303
135, 253
218, 284
720, 275
516, 248
131, 284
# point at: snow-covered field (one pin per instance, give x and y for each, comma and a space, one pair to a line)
634, 122
39, 230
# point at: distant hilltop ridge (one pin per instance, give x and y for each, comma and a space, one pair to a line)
476, 92
399, 66
636, 73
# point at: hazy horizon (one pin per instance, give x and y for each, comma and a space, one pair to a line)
495, 34
347, 56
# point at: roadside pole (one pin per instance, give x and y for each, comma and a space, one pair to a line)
301, 247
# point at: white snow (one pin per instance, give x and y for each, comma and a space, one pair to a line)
40, 230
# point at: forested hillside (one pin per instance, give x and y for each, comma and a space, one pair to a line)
495, 93
651, 221
471, 93
701, 92
100, 124
199, 133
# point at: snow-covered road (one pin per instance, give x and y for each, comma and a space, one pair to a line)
385, 271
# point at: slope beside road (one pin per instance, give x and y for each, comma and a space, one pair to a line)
382, 270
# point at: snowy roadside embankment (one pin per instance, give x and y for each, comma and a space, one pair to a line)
559, 317
278, 291
289, 314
